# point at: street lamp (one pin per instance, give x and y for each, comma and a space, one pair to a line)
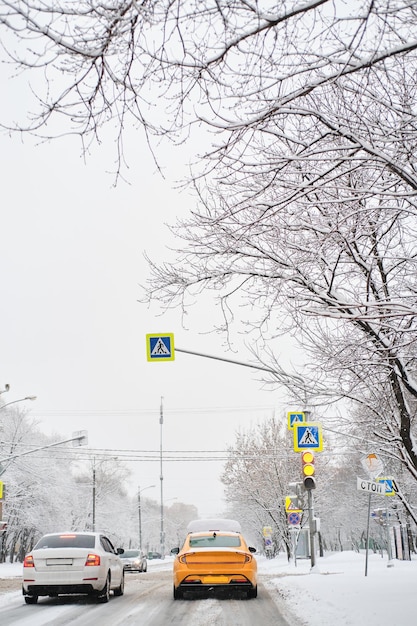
79, 436
140, 514
3, 406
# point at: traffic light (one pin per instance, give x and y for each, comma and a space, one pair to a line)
307, 459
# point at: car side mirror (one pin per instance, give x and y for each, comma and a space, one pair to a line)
252, 549
120, 550
175, 550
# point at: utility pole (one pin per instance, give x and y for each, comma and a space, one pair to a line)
162, 534
94, 494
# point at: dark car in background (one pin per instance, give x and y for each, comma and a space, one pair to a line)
134, 561
154, 555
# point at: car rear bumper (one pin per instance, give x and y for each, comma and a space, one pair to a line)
47, 590
229, 588
45, 583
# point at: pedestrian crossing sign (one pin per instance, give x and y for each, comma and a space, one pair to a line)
295, 417
292, 504
160, 347
308, 436
391, 488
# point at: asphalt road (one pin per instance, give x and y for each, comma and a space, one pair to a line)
147, 601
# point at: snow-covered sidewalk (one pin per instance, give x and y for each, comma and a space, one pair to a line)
338, 593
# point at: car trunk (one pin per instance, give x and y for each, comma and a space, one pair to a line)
46, 560
215, 558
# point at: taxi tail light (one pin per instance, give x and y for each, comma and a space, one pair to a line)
183, 559
239, 579
248, 558
29, 562
92, 560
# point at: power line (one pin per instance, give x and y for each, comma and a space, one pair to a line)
154, 411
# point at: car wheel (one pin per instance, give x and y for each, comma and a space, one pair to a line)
104, 595
177, 593
31, 599
253, 593
119, 591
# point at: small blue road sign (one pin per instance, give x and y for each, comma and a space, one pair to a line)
308, 436
294, 519
295, 418
160, 347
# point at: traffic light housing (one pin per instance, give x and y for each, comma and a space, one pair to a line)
307, 459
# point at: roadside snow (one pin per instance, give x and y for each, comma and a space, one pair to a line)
338, 592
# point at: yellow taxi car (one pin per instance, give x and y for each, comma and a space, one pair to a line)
214, 557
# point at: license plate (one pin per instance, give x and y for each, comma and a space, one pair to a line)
215, 580
59, 561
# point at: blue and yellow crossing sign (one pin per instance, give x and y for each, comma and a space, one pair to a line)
160, 347
292, 504
391, 488
308, 436
295, 417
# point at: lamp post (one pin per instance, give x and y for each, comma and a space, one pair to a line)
79, 437
3, 406
140, 514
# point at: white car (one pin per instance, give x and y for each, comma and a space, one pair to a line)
73, 563
134, 561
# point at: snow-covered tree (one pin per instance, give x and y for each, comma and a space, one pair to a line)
306, 188
45, 492
240, 67
257, 474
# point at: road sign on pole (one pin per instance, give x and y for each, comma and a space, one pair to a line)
390, 485
294, 519
295, 418
373, 465
308, 436
369, 486
160, 347
292, 504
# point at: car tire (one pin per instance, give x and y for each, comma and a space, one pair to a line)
119, 591
253, 593
31, 599
177, 593
104, 594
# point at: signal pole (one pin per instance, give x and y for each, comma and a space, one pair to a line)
162, 537
311, 527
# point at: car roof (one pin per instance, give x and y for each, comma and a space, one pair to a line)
214, 525
72, 532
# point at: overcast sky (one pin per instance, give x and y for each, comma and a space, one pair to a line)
72, 331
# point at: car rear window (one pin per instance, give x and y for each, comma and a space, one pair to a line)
66, 541
215, 541
129, 554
